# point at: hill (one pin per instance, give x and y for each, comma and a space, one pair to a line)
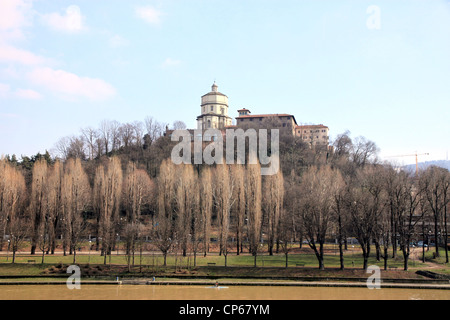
423, 165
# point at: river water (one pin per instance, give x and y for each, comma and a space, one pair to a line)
204, 292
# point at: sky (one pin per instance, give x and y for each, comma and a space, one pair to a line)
379, 69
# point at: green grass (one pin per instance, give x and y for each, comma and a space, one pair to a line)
154, 262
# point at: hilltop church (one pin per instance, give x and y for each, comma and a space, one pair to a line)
214, 115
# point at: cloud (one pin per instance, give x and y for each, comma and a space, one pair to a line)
11, 54
149, 14
24, 65
169, 62
28, 94
72, 21
71, 85
14, 15
6, 92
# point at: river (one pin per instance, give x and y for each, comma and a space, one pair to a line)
203, 292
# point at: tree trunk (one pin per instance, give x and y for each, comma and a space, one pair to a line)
74, 256
445, 234
340, 240
341, 255
385, 257
365, 255
378, 250
405, 260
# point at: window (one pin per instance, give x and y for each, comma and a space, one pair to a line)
222, 110
212, 108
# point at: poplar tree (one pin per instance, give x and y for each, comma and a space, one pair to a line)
136, 194
76, 196
107, 191
12, 206
273, 204
254, 212
38, 205
206, 203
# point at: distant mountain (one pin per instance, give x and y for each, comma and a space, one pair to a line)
423, 165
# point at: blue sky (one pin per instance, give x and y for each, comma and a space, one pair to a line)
66, 65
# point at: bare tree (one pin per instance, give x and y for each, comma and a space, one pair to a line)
76, 196
38, 203
179, 125
137, 191
341, 217
61, 148
411, 215
223, 200
318, 189
139, 131
343, 144
76, 148
12, 205
273, 195
185, 203
254, 212
286, 232
365, 202
54, 202
164, 227
107, 189
127, 134
435, 182
239, 207
154, 129
363, 151
109, 133
206, 203
90, 136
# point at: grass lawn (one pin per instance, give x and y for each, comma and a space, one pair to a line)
213, 263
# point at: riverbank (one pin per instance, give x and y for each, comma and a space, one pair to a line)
225, 276
221, 283
271, 271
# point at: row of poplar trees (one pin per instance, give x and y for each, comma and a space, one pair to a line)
186, 205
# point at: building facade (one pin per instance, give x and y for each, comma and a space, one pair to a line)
276, 120
214, 115
314, 135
